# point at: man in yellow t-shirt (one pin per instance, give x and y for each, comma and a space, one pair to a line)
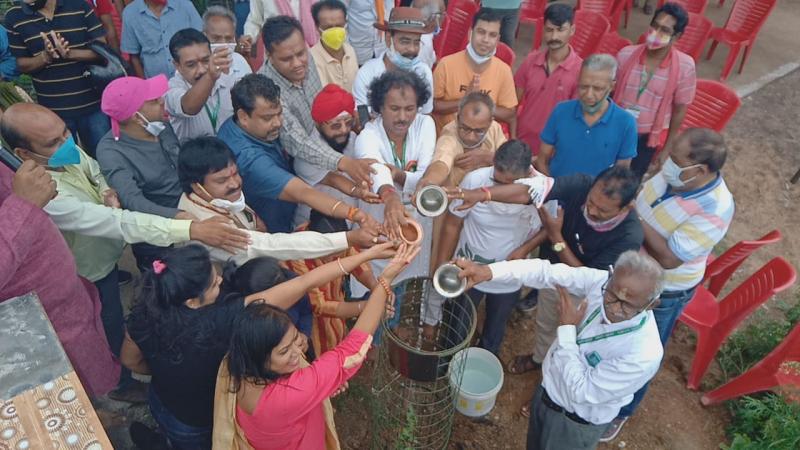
475, 69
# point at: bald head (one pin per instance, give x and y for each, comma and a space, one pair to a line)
31, 128
705, 146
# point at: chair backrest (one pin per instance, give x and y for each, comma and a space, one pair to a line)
611, 43
787, 350
506, 54
532, 9
692, 6
713, 106
747, 16
694, 37
455, 31
719, 271
605, 7
773, 277
589, 28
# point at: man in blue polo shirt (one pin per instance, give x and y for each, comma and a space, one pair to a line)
57, 69
591, 133
149, 25
267, 172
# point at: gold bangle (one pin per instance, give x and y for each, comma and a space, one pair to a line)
355, 186
339, 261
333, 209
385, 286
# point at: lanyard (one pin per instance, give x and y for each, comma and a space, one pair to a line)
399, 163
646, 77
212, 116
609, 334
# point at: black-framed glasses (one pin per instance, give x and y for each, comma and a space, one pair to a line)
339, 124
480, 132
626, 308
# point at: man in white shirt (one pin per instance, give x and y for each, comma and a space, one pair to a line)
489, 232
219, 26
607, 347
212, 187
403, 34
365, 39
198, 100
401, 141
333, 112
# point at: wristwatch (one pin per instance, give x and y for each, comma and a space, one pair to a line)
559, 247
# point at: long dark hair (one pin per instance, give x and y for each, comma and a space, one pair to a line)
259, 329
256, 275
184, 273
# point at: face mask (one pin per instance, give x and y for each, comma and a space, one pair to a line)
66, 155
672, 173
654, 40
401, 61
37, 4
592, 109
333, 37
607, 225
234, 207
603, 313
476, 58
155, 128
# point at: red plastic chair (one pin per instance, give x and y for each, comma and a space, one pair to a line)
766, 374
719, 270
611, 43
692, 6
589, 28
455, 31
611, 9
532, 12
713, 321
694, 37
713, 106
740, 30
506, 54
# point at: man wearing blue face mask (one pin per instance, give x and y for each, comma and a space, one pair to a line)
403, 38
591, 133
88, 214
685, 210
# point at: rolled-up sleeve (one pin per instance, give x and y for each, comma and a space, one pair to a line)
368, 145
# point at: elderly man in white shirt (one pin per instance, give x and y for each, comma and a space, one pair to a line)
402, 142
219, 26
607, 347
199, 100
212, 187
403, 34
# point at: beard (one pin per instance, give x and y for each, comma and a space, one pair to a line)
339, 147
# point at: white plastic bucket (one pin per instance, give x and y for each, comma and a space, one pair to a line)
480, 383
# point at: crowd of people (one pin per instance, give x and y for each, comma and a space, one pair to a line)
268, 207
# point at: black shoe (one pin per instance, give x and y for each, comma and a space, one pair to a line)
146, 438
125, 277
528, 303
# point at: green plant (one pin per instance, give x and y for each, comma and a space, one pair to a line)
764, 422
748, 345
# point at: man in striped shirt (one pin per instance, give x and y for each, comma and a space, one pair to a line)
50, 40
685, 210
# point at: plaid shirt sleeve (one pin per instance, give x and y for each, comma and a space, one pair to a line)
301, 145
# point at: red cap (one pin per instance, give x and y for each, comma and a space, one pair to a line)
124, 96
330, 102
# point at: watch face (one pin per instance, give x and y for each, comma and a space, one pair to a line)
559, 246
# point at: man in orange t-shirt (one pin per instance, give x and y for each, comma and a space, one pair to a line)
476, 69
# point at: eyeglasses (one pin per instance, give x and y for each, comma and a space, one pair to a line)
627, 309
480, 132
339, 124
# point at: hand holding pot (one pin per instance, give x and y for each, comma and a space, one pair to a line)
474, 273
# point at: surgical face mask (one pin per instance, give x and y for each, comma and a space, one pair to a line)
333, 37
476, 58
672, 173
66, 155
234, 207
155, 127
655, 40
401, 61
592, 109
603, 313
606, 225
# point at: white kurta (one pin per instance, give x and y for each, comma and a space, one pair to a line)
374, 143
594, 369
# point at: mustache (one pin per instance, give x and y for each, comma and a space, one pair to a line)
233, 191
554, 42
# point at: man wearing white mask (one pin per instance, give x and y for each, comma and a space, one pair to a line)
403, 33
212, 187
685, 210
334, 58
476, 69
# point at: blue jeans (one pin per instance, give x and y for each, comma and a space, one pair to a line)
90, 128
180, 435
113, 320
666, 313
241, 9
498, 308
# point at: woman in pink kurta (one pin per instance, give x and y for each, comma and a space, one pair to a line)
34, 257
280, 403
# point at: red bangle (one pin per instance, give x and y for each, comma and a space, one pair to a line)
385, 286
389, 190
488, 193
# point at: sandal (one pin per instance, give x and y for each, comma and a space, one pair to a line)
522, 364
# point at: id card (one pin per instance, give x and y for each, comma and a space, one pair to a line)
593, 359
